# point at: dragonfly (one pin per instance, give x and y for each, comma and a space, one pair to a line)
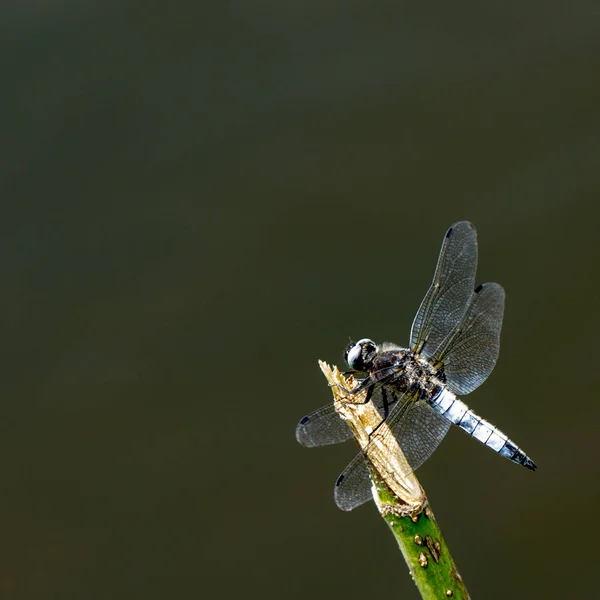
454, 345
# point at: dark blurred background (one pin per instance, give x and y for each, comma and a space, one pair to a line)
201, 200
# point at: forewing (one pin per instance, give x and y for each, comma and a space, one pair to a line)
418, 430
445, 302
470, 353
322, 427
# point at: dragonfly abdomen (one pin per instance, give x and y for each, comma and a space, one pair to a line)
457, 412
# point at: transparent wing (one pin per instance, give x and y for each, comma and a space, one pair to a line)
353, 486
469, 353
324, 426
416, 427
445, 302
420, 433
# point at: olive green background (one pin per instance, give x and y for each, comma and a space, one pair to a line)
199, 200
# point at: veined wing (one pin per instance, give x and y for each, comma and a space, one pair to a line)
418, 430
469, 353
324, 426
446, 300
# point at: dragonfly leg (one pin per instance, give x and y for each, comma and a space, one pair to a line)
365, 384
386, 403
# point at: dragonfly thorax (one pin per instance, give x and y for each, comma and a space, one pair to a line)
403, 370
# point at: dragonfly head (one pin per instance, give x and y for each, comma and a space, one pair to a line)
359, 355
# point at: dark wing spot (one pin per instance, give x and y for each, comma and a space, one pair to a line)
479, 288
303, 420
339, 480
449, 232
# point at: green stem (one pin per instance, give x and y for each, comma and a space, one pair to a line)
424, 549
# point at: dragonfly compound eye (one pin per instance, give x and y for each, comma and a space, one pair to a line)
360, 355
347, 350
354, 357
